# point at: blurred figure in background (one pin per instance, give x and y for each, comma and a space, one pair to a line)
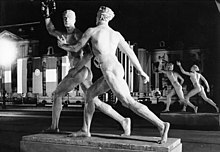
196, 79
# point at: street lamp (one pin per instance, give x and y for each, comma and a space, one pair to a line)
8, 52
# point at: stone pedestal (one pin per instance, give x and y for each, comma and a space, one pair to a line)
96, 143
192, 120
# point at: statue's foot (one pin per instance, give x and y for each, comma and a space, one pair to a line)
126, 124
183, 110
164, 133
196, 110
217, 109
166, 110
51, 130
80, 134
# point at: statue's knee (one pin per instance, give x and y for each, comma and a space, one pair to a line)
98, 105
87, 95
125, 103
90, 107
184, 102
55, 96
186, 97
97, 102
169, 97
130, 103
90, 75
84, 73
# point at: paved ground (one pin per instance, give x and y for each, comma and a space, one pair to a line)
17, 122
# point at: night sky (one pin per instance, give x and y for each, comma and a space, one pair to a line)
182, 24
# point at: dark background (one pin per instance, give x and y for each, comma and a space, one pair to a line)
182, 24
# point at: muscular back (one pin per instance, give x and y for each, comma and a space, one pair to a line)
104, 43
195, 78
104, 40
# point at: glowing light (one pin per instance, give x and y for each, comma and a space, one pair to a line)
8, 51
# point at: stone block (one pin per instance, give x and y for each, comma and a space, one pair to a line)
198, 121
96, 143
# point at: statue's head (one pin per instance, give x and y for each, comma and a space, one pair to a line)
104, 14
194, 68
170, 66
69, 18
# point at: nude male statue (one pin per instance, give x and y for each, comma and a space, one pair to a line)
105, 41
196, 78
177, 88
79, 72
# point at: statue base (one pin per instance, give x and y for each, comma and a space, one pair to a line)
96, 143
192, 120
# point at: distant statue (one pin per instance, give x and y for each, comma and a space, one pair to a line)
196, 79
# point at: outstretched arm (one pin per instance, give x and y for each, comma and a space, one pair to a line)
124, 47
80, 44
163, 71
206, 83
62, 42
182, 70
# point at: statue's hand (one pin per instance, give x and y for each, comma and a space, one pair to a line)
48, 7
96, 62
208, 90
178, 63
61, 40
145, 77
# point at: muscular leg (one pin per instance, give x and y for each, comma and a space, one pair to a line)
66, 85
180, 94
169, 101
120, 88
203, 95
192, 93
92, 101
85, 59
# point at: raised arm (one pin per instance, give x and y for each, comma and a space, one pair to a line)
47, 12
206, 82
182, 70
124, 47
51, 28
